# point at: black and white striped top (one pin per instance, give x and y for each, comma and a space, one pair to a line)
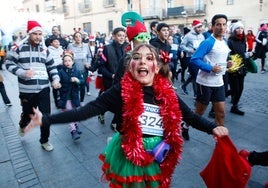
26, 57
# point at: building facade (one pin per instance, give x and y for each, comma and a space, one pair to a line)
103, 15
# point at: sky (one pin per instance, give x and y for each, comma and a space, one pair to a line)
13, 22
7, 7
9, 19
8, 13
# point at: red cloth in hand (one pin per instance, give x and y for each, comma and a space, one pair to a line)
226, 167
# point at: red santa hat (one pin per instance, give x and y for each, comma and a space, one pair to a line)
136, 29
196, 23
33, 26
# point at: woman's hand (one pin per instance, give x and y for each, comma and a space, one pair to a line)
36, 120
220, 131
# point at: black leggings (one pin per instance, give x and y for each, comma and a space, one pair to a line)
184, 65
3, 93
236, 82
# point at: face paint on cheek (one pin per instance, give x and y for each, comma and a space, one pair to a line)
153, 68
133, 65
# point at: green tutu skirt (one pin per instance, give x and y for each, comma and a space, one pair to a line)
122, 172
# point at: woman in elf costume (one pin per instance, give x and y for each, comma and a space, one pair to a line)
148, 145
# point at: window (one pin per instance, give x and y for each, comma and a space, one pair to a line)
129, 4
108, 2
87, 27
64, 9
87, 3
170, 3
37, 8
199, 6
110, 26
230, 2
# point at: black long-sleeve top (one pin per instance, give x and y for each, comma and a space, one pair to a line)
111, 100
237, 46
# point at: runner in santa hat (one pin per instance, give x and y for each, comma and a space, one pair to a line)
32, 27
196, 23
35, 68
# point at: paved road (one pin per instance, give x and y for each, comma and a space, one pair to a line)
23, 163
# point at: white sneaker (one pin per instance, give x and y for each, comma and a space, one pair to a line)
21, 132
47, 146
88, 93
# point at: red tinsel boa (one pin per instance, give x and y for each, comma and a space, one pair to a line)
132, 145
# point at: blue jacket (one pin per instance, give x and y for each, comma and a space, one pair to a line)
69, 90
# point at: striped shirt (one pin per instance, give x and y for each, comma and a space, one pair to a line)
27, 57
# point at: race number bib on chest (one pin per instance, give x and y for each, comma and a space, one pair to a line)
151, 121
40, 74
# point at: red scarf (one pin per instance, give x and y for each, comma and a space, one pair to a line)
132, 145
240, 36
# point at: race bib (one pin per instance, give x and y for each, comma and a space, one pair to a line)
40, 74
151, 121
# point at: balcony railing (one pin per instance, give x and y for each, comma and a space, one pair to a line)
181, 11
195, 11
